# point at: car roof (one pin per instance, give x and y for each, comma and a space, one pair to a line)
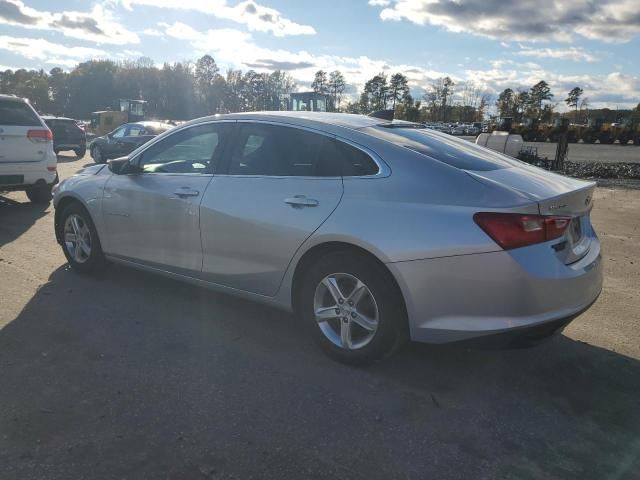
309, 119
13, 98
53, 117
147, 123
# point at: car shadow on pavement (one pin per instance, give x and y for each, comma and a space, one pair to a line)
129, 375
17, 217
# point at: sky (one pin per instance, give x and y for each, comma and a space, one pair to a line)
492, 44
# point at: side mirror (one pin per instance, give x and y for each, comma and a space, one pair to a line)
122, 166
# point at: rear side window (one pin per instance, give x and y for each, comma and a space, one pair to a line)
17, 114
353, 161
456, 152
273, 150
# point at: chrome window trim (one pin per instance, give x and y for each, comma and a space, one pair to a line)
383, 168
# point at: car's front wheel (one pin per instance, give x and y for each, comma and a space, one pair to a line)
97, 155
80, 242
353, 307
80, 152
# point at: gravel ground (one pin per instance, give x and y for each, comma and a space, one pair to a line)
131, 376
583, 152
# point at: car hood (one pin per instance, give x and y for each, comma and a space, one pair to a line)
90, 170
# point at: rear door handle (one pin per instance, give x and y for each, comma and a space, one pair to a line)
300, 201
186, 192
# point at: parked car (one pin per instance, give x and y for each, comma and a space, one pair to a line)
472, 130
370, 230
67, 135
125, 139
27, 160
457, 130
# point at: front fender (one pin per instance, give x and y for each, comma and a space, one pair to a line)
85, 187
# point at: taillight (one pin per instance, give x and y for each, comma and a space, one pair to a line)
41, 136
514, 230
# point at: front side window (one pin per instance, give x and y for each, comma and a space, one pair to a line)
192, 150
118, 133
274, 150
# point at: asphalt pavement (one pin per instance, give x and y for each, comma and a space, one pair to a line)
128, 376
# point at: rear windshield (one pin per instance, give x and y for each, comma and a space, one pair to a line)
57, 123
452, 151
17, 114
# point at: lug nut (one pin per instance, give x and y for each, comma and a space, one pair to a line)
353, 315
341, 301
337, 311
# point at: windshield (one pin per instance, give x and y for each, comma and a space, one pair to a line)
452, 151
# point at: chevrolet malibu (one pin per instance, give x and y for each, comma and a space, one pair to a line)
372, 231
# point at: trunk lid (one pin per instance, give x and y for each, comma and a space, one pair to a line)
555, 195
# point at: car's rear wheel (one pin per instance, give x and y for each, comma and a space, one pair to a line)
80, 152
39, 193
352, 307
97, 155
80, 242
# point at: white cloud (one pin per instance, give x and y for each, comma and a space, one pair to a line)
98, 25
256, 17
237, 49
606, 20
573, 53
40, 49
152, 32
605, 90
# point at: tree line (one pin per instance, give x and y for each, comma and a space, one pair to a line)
185, 90
180, 91
530, 104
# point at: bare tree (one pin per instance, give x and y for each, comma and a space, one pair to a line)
336, 86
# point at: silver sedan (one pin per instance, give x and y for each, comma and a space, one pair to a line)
372, 231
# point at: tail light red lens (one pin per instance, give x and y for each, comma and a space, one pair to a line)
514, 230
40, 135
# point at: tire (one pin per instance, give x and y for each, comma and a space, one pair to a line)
85, 257
80, 152
39, 193
97, 155
380, 300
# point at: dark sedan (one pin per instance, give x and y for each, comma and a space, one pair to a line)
125, 139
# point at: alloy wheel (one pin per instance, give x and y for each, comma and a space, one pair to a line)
346, 311
77, 238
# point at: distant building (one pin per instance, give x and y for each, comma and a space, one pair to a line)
310, 102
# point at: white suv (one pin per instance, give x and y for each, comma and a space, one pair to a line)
27, 160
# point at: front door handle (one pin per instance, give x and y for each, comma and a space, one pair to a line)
301, 201
186, 192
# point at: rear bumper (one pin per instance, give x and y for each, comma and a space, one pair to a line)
490, 294
24, 174
70, 145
